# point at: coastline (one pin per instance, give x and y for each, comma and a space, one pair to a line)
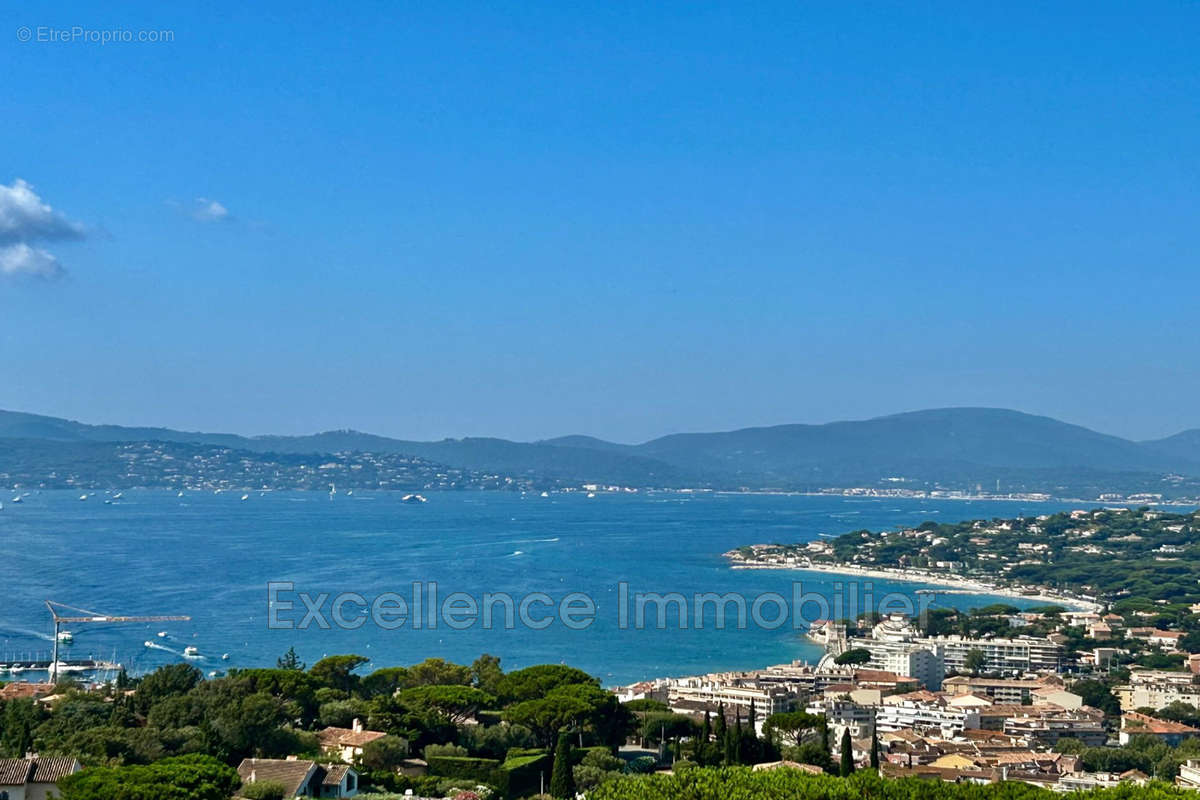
958, 585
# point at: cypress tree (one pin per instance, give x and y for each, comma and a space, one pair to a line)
847, 765
702, 745
720, 735
749, 749
562, 782
874, 751
733, 739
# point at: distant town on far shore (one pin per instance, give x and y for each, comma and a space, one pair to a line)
945, 453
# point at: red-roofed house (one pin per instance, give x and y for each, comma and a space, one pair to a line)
301, 778
22, 690
1135, 724
348, 743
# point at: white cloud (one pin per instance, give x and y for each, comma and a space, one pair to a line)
210, 211
25, 218
21, 259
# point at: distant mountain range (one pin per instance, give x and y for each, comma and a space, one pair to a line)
951, 447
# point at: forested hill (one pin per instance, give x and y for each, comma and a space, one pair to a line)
1184, 445
936, 444
958, 448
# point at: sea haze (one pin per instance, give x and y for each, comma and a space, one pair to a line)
211, 556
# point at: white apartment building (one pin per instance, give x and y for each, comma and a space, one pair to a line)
1015, 656
700, 694
1189, 775
1006, 691
900, 713
1049, 727
842, 714
1156, 688
894, 637
904, 658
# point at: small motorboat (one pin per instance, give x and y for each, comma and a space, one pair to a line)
191, 651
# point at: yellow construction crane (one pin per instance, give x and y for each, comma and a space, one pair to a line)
88, 618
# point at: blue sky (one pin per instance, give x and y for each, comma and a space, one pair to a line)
531, 219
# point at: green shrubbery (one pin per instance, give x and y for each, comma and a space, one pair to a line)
183, 778
741, 783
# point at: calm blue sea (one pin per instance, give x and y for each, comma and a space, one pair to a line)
211, 557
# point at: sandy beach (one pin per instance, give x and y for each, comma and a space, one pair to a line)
956, 584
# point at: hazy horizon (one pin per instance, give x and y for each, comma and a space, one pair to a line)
254, 433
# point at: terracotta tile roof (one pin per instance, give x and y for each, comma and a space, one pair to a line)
1016, 710
19, 771
347, 737
1133, 722
882, 675
334, 774
22, 689
839, 688
949, 775
919, 696
982, 737
958, 698
1026, 757
48, 769
15, 771
292, 774
1003, 683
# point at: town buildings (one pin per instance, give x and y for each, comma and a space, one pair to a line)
1152, 688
